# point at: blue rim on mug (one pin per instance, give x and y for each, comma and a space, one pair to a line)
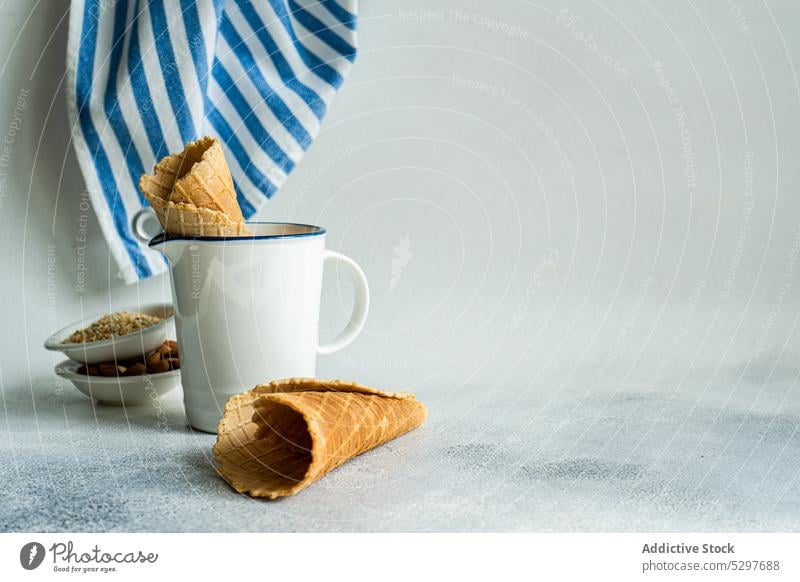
313, 231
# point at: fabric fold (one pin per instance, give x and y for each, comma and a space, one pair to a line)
146, 77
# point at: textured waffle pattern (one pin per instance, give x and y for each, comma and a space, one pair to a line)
278, 438
189, 220
192, 192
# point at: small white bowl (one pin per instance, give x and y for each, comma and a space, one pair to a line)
121, 347
121, 390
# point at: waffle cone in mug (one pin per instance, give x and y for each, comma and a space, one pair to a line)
279, 438
192, 192
189, 220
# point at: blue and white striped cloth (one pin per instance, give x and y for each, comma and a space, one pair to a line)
147, 76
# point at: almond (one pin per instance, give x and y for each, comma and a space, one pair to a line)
159, 367
153, 359
111, 369
136, 370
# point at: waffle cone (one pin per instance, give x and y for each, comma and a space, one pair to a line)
278, 438
198, 175
188, 220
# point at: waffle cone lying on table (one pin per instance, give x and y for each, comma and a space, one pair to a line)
192, 192
278, 438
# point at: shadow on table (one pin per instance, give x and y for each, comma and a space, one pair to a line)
69, 409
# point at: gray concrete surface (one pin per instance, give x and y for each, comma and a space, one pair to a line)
719, 454
604, 344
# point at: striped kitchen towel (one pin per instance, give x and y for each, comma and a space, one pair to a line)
147, 76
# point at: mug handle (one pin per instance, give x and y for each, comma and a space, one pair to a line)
360, 306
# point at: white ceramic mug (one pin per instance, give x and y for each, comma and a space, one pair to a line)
247, 310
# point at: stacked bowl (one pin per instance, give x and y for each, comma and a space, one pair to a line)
123, 358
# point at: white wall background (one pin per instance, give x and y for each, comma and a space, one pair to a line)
526, 199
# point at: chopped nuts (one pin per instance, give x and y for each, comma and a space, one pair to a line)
113, 324
152, 363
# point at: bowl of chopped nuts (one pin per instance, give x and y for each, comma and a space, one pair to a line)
127, 382
114, 336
